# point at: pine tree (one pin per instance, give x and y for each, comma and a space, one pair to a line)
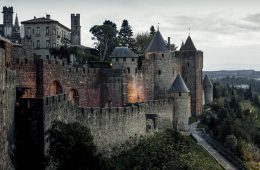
152, 30
125, 36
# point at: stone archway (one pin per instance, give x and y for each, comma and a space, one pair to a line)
55, 88
73, 96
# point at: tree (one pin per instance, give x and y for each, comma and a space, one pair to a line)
125, 36
71, 146
152, 30
142, 41
105, 35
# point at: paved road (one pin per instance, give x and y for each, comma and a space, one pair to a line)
197, 134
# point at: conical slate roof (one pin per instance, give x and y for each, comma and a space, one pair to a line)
16, 23
207, 81
179, 86
189, 46
182, 44
157, 44
123, 52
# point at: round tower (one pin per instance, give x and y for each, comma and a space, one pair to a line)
208, 90
179, 94
161, 57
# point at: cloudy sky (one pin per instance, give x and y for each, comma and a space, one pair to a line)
227, 31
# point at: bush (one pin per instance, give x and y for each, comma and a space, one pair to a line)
71, 146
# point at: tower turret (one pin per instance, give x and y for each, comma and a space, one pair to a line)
163, 74
7, 20
75, 29
208, 90
192, 65
180, 96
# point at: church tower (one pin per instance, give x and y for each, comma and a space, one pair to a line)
8, 20
75, 29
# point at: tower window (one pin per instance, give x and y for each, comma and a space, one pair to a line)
117, 59
188, 64
159, 72
179, 93
128, 70
162, 55
186, 80
124, 59
133, 59
75, 22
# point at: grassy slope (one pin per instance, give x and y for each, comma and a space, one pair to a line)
165, 150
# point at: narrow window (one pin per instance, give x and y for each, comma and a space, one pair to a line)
117, 59
47, 31
28, 31
128, 70
162, 55
179, 93
124, 59
133, 59
38, 31
188, 64
159, 72
38, 44
47, 43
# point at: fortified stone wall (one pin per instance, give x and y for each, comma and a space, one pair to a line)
110, 126
26, 75
7, 105
85, 81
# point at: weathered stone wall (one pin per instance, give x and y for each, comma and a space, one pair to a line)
7, 104
109, 126
26, 75
86, 81
181, 111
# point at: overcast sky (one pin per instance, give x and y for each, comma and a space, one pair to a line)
227, 31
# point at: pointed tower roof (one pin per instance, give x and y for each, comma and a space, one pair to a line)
179, 86
182, 44
207, 81
189, 46
16, 24
157, 44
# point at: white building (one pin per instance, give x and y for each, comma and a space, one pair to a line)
45, 33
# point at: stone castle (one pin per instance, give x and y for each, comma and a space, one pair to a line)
115, 103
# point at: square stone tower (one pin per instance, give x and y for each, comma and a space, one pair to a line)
7, 20
75, 29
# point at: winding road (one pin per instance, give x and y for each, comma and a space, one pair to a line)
197, 134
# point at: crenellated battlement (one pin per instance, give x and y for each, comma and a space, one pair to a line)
64, 67
23, 62
54, 101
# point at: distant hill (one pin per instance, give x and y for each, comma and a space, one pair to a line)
233, 73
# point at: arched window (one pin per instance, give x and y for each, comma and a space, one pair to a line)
55, 88
73, 96
128, 70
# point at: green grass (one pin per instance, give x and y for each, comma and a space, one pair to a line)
164, 150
